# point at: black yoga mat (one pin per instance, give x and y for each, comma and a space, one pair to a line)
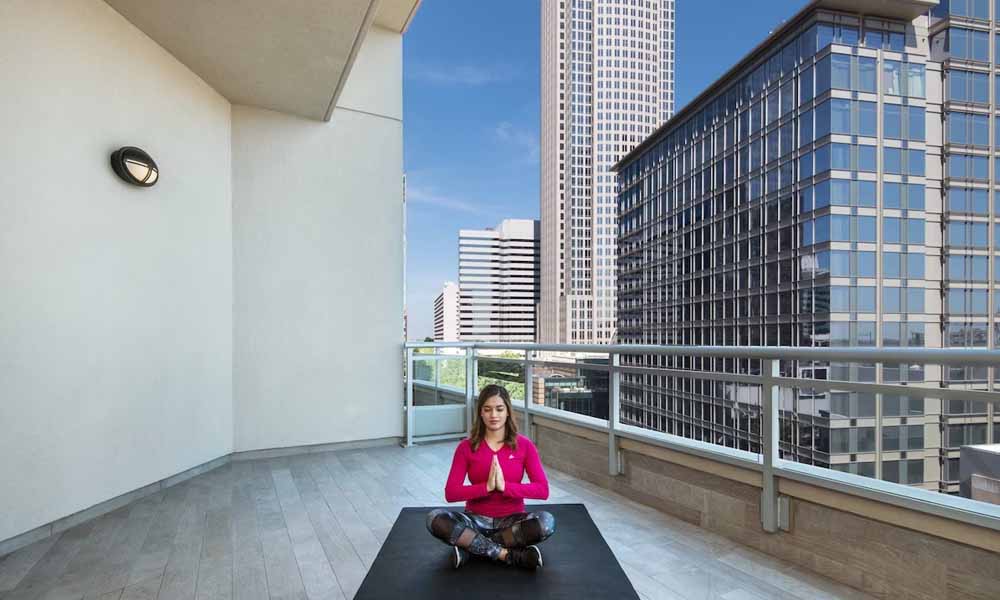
578, 564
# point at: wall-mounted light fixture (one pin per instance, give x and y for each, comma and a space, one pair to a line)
135, 166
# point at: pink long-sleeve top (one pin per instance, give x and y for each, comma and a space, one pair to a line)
514, 464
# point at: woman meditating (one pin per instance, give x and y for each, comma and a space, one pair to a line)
494, 524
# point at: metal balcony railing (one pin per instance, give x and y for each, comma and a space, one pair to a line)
444, 411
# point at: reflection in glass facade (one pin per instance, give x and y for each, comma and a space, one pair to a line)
964, 40
832, 190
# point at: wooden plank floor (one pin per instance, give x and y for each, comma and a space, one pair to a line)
310, 526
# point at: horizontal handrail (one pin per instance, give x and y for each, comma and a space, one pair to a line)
732, 456
944, 356
956, 508
438, 386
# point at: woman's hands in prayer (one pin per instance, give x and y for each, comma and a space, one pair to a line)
499, 482
491, 481
495, 481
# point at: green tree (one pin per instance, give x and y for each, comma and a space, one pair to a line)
508, 375
452, 371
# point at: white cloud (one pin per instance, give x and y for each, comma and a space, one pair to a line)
469, 75
525, 140
420, 195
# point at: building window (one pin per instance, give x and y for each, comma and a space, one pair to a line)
968, 129
897, 265
968, 200
904, 122
903, 195
851, 117
904, 79
962, 166
967, 86
903, 471
968, 44
968, 234
972, 9
845, 72
902, 161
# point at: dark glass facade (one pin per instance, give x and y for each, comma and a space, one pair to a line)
798, 203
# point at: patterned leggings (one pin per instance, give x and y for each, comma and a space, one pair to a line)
487, 536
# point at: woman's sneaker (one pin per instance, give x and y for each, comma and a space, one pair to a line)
527, 558
458, 557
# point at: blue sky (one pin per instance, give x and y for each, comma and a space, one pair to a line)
471, 116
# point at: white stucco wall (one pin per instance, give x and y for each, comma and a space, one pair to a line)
251, 299
115, 301
318, 260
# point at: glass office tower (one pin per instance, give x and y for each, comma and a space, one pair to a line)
963, 38
816, 195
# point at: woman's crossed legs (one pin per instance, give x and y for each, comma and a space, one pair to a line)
490, 537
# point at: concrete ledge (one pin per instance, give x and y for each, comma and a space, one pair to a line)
595, 436
58, 526
695, 462
25, 539
886, 550
105, 507
195, 471
948, 529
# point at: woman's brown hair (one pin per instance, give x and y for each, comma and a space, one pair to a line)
479, 427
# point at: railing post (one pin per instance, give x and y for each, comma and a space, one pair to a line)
471, 377
614, 385
437, 379
528, 390
770, 434
409, 397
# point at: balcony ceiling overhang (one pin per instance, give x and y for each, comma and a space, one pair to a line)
292, 57
899, 9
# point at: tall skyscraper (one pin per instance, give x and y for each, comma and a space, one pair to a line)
498, 282
960, 32
834, 188
607, 83
446, 313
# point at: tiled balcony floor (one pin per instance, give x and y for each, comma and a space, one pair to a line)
309, 526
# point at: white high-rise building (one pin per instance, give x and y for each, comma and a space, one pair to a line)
607, 83
498, 279
446, 313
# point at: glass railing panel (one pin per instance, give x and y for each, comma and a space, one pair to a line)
439, 393
501, 367
691, 397
424, 369
910, 438
576, 382
452, 374
804, 425
438, 380
572, 388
